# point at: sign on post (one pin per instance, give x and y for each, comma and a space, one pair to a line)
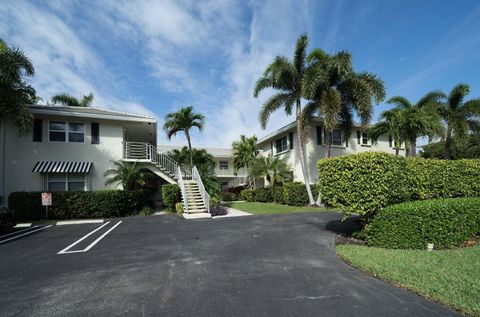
46, 201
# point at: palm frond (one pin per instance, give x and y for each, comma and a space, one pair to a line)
456, 96
300, 53
400, 102
261, 84
272, 104
86, 100
66, 100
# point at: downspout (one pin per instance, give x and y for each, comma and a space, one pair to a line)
2, 123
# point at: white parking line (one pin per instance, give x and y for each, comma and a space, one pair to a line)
17, 232
21, 235
66, 250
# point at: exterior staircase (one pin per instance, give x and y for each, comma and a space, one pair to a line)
196, 199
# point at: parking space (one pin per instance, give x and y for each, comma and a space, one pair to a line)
281, 265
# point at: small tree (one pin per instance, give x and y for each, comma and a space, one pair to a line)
129, 175
390, 123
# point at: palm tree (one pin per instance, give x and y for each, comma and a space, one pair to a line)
458, 116
15, 91
130, 176
183, 120
285, 77
244, 151
336, 93
390, 123
420, 119
71, 101
274, 168
201, 159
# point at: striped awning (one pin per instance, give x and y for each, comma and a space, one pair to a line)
62, 167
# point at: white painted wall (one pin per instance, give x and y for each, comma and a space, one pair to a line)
316, 152
21, 153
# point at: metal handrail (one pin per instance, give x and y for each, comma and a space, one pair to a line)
146, 151
205, 195
181, 184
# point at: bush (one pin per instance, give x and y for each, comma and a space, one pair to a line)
236, 190
179, 208
78, 205
227, 196
171, 195
248, 195
367, 182
277, 194
146, 211
263, 195
214, 202
295, 194
444, 222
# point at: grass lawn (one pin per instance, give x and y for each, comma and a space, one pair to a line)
451, 277
269, 208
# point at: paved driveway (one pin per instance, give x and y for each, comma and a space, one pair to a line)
279, 265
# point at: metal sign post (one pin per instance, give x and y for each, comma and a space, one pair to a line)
46, 201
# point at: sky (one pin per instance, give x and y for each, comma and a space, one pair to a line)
153, 57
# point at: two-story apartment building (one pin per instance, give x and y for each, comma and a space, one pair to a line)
283, 141
68, 148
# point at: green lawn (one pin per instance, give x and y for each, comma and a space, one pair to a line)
269, 208
451, 277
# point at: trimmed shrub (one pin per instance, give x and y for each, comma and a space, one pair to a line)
277, 194
214, 202
227, 196
295, 194
367, 182
248, 195
78, 205
263, 195
236, 190
146, 211
171, 195
179, 208
411, 225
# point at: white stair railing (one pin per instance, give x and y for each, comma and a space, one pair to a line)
205, 195
146, 151
181, 184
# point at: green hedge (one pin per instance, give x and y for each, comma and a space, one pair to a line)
295, 194
444, 222
263, 195
171, 195
367, 182
248, 195
78, 205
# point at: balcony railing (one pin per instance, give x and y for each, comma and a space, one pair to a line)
230, 172
147, 152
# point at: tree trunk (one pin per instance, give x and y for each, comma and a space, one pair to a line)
448, 144
187, 134
413, 147
397, 151
301, 149
328, 154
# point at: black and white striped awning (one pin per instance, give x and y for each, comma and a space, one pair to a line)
62, 167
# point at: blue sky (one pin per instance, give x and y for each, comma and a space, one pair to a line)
152, 57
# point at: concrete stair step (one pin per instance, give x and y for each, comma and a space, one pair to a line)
197, 216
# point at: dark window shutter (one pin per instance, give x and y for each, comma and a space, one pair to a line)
359, 136
319, 135
390, 141
271, 146
290, 138
95, 126
37, 130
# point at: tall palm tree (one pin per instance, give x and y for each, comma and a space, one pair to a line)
390, 123
336, 92
285, 77
130, 176
15, 91
184, 120
244, 152
420, 119
71, 101
458, 116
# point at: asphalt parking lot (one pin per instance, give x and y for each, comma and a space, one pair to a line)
276, 265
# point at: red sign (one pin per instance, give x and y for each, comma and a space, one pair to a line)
46, 199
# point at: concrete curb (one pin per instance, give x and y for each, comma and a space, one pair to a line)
78, 222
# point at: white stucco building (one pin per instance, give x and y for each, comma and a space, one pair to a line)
283, 143
68, 148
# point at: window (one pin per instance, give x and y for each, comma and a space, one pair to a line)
281, 145
319, 135
364, 138
223, 165
76, 132
335, 137
37, 130
58, 132
95, 129
390, 141
290, 139
63, 182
